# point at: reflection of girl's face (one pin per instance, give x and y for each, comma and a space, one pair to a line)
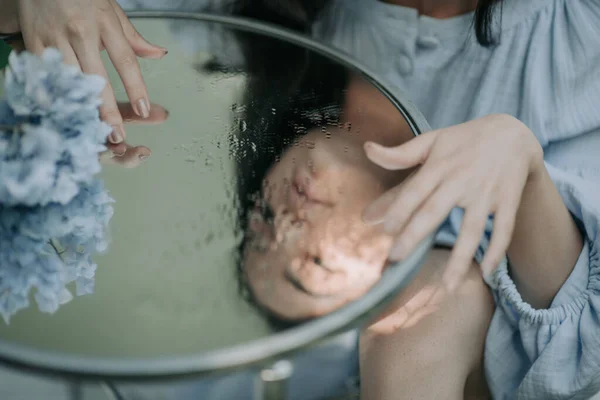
311, 252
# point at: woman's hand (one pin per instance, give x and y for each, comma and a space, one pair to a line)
80, 29
481, 166
125, 155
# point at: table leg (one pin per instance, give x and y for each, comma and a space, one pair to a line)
273, 381
113, 392
76, 390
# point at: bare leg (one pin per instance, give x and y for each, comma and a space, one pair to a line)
429, 344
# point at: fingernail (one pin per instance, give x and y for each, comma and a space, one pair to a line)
390, 225
165, 52
143, 157
488, 270
117, 134
485, 270
120, 154
450, 284
397, 252
372, 146
373, 215
142, 108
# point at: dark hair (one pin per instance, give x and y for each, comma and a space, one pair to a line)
289, 91
483, 22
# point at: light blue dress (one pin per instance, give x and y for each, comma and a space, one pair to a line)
546, 72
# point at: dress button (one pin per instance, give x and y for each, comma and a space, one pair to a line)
405, 65
428, 42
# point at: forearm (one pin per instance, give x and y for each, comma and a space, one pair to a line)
546, 242
9, 16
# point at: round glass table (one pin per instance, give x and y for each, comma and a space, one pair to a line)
236, 240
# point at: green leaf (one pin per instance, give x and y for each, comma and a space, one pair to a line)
5, 50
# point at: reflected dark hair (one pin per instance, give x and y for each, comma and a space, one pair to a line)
289, 91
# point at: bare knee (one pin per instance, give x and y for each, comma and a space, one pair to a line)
427, 333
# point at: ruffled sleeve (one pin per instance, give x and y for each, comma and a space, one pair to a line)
553, 353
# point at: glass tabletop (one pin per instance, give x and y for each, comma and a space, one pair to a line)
237, 232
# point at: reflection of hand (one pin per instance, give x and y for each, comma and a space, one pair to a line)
124, 154
79, 29
481, 166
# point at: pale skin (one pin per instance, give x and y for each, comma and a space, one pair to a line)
429, 344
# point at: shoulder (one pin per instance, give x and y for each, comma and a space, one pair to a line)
559, 49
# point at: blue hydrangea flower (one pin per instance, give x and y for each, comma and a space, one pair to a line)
47, 247
53, 212
56, 148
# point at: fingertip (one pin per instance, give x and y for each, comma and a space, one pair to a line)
450, 283
398, 252
371, 217
369, 146
118, 149
487, 269
156, 53
117, 135
451, 278
375, 213
145, 49
376, 154
144, 152
142, 108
